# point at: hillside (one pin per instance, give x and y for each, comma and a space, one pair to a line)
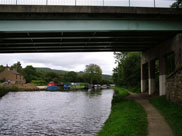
104, 76
50, 70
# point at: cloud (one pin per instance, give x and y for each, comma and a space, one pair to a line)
62, 61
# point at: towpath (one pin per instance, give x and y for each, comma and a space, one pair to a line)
157, 125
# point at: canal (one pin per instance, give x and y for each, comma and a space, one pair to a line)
44, 113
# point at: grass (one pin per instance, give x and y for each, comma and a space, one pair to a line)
171, 112
133, 89
127, 118
5, 90
77, 87
120, 91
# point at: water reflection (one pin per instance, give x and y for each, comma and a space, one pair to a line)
78, 113
93, 92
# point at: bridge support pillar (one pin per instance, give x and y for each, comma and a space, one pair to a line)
151, 72
143, 78
162, 76
160, 52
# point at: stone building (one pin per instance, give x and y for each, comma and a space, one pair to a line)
12, 75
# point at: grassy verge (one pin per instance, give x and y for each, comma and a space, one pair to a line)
133, 89
127, 118
171, 112
77, 87
5, 90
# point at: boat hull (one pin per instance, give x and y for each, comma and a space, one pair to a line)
52, 88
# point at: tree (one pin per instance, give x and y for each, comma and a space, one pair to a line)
2, 68
30, 74
53, 76
127, 72
17, 66
93, 73
177, 4
71, 76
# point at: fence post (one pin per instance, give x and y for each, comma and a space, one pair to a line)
16, 2
103, 2
75, 2
46, 2
129, 3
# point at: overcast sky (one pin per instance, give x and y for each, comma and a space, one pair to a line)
62, 61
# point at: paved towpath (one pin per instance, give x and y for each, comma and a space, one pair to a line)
157, 125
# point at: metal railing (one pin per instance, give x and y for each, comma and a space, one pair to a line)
132, 3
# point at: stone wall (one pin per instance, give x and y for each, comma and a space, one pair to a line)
174, 87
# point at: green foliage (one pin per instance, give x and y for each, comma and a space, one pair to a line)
119, 94
30, 74
171, 112
77, 87
50, 70
127, 73
39, 82
132, 89
107, 77
71, 76
177, 4
17, 66
41, 76
2, 68
81, 76
53, 76
127, 118
4, 90
93, 73
2, 80
106, 82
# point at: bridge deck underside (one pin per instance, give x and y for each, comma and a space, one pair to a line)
29, 42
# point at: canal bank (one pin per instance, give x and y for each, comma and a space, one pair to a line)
5, 89
30, 87
127, 118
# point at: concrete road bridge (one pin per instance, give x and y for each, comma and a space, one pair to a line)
156, 32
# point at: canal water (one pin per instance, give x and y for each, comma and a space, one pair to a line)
54, 113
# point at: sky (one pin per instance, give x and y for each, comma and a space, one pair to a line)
62, 61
